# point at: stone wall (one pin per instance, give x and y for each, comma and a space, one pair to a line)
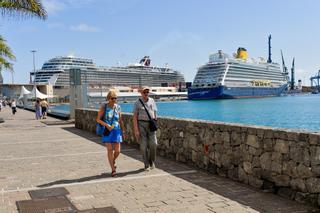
276, 160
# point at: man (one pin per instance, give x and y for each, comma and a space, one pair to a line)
44, 108
147, 138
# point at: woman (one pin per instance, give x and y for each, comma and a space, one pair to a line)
109, 116
14, 107
37, 108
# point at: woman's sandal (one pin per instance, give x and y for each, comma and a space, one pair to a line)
113, 173
114, 164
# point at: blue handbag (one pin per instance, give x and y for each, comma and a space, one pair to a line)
100, 128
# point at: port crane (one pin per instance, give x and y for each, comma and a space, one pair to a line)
315, 82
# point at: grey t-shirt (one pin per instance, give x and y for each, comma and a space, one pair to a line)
141, 112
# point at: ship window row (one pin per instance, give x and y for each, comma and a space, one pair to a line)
253, 76
255, 69
258, 72
241, 72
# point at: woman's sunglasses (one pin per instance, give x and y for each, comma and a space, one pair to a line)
113, 98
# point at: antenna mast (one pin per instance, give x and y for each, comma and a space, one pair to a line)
269, 46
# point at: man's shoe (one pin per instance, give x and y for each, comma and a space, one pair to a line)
147, 168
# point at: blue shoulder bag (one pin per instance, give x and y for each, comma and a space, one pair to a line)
100, 128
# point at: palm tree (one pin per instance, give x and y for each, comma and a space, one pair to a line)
23, 7
5, 55
27, 8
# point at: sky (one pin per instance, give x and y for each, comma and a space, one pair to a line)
181, 33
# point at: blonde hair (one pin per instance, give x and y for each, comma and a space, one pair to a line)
111, 93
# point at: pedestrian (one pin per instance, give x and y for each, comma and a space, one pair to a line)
109, 116
144, 111
44, 108
13, 107
37, 108
0, 105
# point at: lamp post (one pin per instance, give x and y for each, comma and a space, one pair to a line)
34, 73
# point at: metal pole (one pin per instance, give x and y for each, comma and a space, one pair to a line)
34, 73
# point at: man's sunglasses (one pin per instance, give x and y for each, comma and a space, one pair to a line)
145, 92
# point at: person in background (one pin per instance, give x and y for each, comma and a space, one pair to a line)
37, 108
148, 139
13, 107
44, 108
0, 105
109, 116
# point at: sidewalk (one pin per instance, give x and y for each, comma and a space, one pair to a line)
34, 155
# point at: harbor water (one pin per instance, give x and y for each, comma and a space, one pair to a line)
297, 112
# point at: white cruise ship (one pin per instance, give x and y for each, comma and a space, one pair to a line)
238, 77
56, 72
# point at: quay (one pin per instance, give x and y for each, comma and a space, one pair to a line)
51, 163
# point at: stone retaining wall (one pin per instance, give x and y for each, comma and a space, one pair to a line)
276, 160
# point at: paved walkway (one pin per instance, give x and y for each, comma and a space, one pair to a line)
35, 155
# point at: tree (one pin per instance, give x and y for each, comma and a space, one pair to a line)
26, 8
5, 55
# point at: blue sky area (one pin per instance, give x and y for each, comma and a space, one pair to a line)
181, 33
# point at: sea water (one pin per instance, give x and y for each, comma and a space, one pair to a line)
293, 111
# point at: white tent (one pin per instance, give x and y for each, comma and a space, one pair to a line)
23, 91
38, 94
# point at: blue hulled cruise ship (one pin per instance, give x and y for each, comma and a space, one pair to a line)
238, 77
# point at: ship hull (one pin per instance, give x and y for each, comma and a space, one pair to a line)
222, 92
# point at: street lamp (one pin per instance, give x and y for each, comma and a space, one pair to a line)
34, 73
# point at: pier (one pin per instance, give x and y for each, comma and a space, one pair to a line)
52, 163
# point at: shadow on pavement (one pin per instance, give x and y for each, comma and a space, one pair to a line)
90, 178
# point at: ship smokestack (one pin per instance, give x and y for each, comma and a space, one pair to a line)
269, 49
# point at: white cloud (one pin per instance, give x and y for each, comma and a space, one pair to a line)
84, 28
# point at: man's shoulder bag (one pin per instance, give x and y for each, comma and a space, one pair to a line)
152, 122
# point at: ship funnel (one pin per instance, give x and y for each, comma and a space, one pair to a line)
242, 53
145, 61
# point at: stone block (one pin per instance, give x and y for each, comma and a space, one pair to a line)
252, 140
265, 161
226, 160
316, 170
256, 172
281, 146
267, 145
315, 155
243, 177
255, 182
313, 185
256, 162
235, 139
298, 184
193, 142
276, 167
290, 168
254, 151
303, 171
296, 154
247, 167
276, 156
314, 139
282, 180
